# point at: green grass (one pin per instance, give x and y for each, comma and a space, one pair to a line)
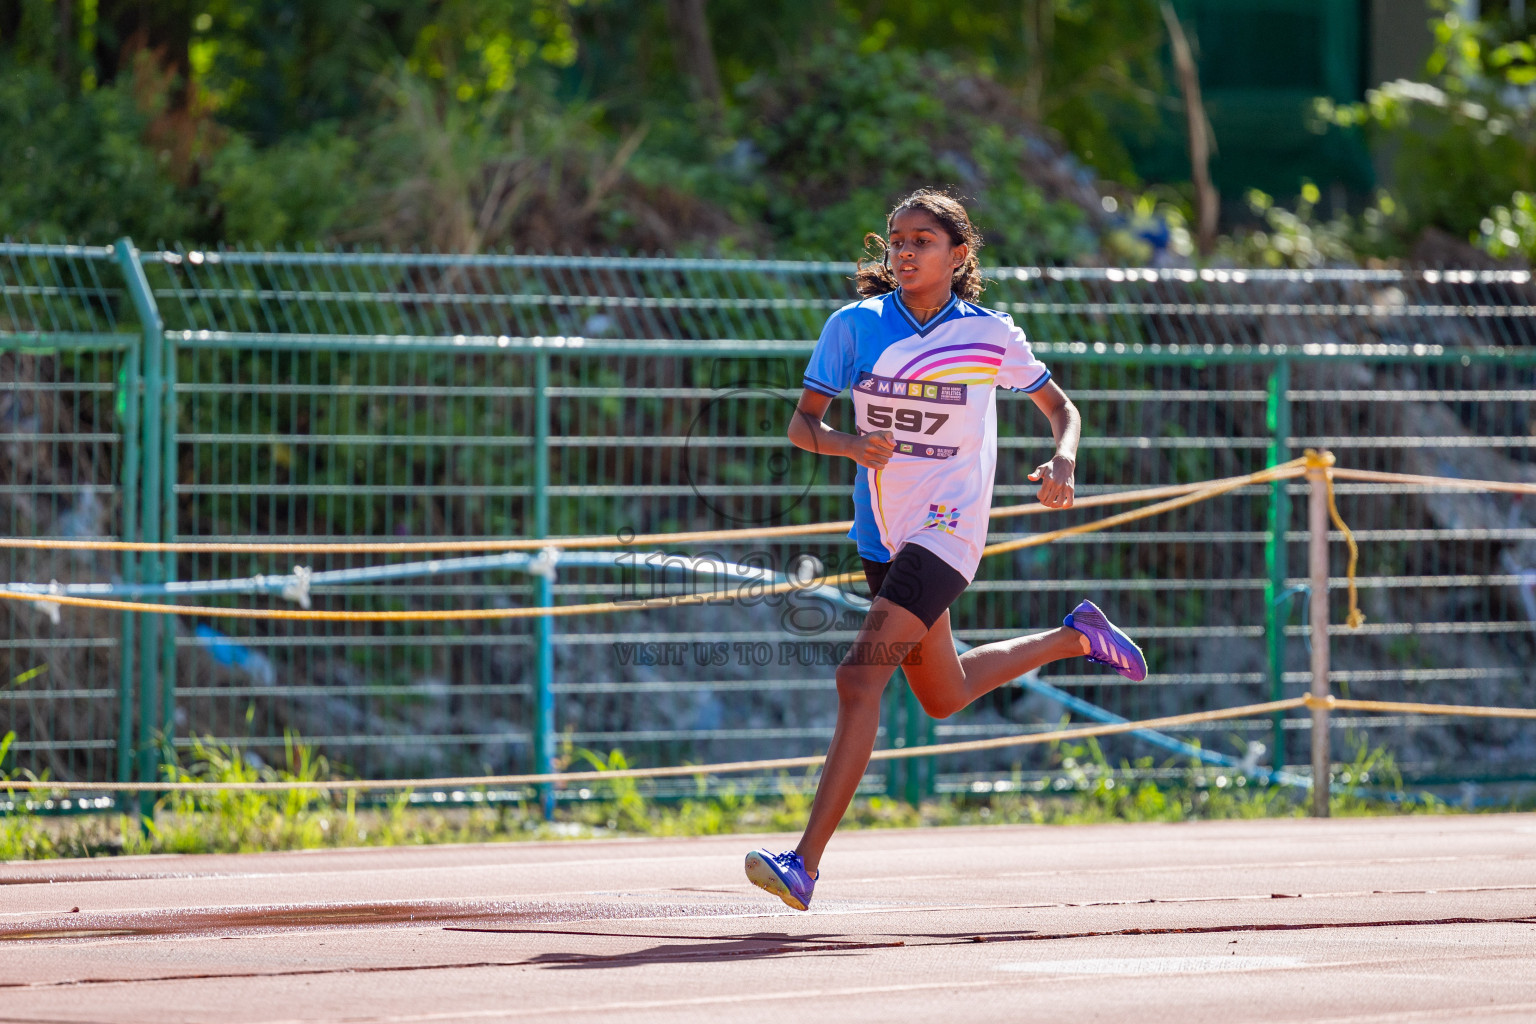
1092, 792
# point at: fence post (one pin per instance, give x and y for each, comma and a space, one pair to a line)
1317, 549
132, 389
1278, 417
544, 654
912, 714
895, 731
168, 510
150, 516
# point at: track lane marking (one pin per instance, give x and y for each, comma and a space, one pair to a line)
866, 880
424, 908
778, 947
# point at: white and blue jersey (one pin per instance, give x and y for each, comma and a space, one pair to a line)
934, 385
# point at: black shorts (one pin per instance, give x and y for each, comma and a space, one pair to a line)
917, 580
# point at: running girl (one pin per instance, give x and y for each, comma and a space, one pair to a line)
924, 363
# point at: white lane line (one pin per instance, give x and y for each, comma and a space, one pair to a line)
798, 995
1133, 966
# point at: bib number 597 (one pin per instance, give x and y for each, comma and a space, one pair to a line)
882, 417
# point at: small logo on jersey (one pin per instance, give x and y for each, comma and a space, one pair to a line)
943, 518
904, 448
921, 390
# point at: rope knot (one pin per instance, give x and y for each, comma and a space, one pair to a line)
1323, 460
543, 564
297, 589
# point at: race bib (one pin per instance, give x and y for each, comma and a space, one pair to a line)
928, 419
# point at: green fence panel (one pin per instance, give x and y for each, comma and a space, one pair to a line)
335, 396
69, 463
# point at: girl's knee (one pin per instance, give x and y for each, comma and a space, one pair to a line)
939, 707
858, 683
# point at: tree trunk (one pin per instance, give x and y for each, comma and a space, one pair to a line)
1201, 138
66, 54
1039, 26
695, 52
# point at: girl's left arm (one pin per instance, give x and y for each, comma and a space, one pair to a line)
1057, 476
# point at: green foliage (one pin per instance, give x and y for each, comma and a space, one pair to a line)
23, 836
1510, 231
468, 124
242, 820
1463, 140
553, 124
273, 68
839, 132
1297, 239
296, 190
1069, 65
81, 166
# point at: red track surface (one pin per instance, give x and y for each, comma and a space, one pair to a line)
1413, 919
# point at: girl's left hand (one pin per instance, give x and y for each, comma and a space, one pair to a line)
1056, 483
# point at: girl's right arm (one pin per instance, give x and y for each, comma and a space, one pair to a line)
809, 433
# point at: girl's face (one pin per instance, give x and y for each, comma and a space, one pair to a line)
922, 257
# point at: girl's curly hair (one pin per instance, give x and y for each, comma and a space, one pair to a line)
874, 276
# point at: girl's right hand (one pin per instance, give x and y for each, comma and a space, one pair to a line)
873, 450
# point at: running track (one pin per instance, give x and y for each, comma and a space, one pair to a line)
1405, 919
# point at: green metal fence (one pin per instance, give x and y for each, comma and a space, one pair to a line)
328, 396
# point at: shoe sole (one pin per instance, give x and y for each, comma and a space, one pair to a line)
761, 874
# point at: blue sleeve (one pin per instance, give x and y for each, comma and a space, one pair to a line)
830, 370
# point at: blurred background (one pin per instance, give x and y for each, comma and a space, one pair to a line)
362, 235
1329, 130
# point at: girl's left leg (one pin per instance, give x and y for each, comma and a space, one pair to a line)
861, 680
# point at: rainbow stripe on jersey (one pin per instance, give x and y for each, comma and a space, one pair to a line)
970, 362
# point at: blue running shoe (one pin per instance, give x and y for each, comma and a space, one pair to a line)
1107, 643
782, 874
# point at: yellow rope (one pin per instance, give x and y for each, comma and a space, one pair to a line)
194, 547
1405, 708
1217, 488
1322, 462
781, 763
1453, 483
1288, 469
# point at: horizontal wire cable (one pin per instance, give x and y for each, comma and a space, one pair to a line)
1289, 469
533, 544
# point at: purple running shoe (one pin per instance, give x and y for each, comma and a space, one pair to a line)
782, 874
1107, 643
